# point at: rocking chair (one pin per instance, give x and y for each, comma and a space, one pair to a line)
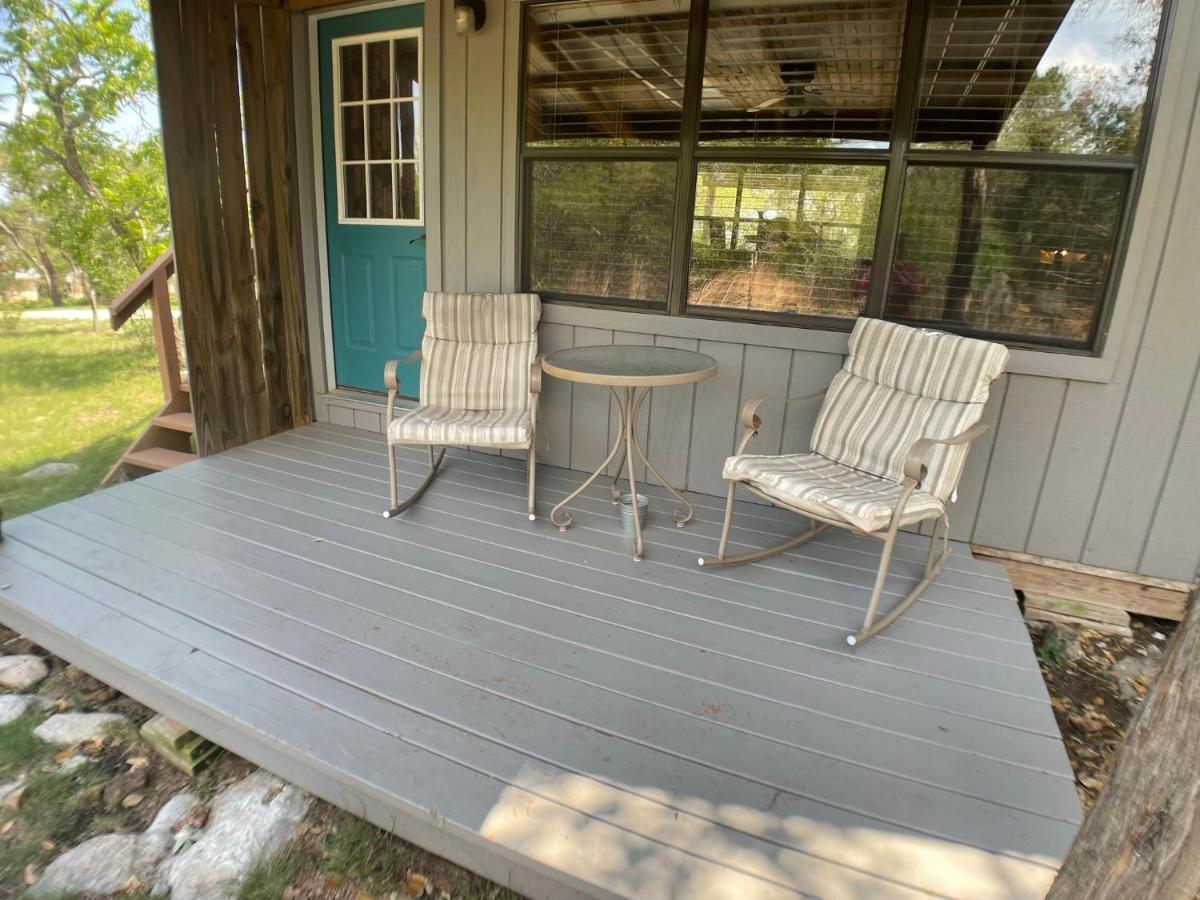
888, 448
480, 382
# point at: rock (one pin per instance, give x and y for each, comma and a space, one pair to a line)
13, 706
10, 792
249, 821
1135, 668
106, 864
22, 672
102, 865
50, 470
73, 762
67, 729
121, 787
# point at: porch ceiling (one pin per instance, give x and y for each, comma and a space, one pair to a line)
539, 707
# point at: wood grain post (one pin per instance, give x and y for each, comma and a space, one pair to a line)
1142, 838
234, 218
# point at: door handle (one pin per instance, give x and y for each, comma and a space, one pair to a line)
419, 237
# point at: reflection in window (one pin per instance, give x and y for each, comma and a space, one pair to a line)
1008, 251
804, 72
784, 238
1037, 75
587, 238
605, 73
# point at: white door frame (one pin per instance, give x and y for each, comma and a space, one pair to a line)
326, 381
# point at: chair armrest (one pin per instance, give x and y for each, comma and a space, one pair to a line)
535, 376
390, 379
749, 416
918, 453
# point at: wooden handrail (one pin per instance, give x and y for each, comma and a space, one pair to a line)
140, 291
152, 285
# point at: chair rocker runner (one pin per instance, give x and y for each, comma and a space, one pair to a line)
479, 387
888, 449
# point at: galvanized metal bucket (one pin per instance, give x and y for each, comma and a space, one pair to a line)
626, 505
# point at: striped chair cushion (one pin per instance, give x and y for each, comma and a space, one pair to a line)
811, 483
477, 350
462, 427
899, 384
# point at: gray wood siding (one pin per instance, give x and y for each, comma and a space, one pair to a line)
1104, 472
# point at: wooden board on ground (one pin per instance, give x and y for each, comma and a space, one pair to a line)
1142, 594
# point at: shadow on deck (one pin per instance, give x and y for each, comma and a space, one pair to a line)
542, 709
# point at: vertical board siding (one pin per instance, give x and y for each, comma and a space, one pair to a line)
672, 410
614, 421
1024, 439
485, 133
454, 107
714, 427
1101, 473
589, 410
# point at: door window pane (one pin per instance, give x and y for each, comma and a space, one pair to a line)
381, 192
379, 81
407, 66
801, 72
352, 133
784, 238
1064, 76
601, 228
351, 72
381, 128
410, 194
607, 73
354, 192
406, 127
1011, 251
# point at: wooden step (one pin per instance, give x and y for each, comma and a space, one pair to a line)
178, 421
186, 387
157, 458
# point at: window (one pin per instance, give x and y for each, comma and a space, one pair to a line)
377, 134
964, 164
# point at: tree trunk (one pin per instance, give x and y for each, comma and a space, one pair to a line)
1142, 838
91, 292
53, 284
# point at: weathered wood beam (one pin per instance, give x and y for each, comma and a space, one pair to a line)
241, 300
1142, 838
274, 212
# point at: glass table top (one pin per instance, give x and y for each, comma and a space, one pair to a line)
630, 364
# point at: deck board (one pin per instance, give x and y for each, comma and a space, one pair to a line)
708, 732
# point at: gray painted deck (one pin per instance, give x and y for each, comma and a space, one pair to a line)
541, 708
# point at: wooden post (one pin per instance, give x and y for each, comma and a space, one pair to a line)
1142, 838
164, 334
241, 299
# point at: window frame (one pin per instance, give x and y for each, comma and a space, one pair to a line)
896, 159
417, 102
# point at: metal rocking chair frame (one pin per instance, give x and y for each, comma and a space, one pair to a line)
391, 379
915, 471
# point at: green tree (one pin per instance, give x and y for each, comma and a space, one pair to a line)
79, 75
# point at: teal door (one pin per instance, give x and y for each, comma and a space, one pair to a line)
371, 80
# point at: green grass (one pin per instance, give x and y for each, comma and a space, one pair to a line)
69, 395
54, 808
270, 878
19, 747
357, 849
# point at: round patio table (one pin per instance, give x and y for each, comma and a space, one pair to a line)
635, 370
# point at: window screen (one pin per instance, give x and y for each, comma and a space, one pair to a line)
605, 73
589, 239
784, 238
802, 72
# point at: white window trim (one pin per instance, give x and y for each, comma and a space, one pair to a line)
418, 122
